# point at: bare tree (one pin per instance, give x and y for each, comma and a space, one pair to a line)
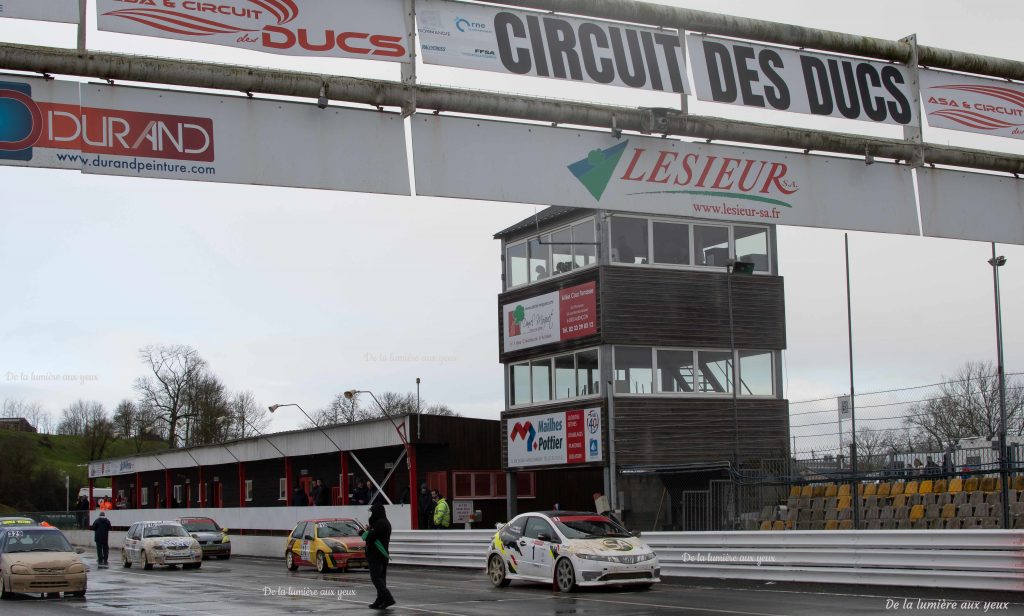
342, 410
32, 412
248, 417
175, 369
88, 419
208, 412
967, 406
440, 409
125, 417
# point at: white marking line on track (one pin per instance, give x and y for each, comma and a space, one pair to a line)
825, 594
671, 607
399, 606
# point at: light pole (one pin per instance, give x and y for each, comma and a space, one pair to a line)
734, 267
274, 407
996, 263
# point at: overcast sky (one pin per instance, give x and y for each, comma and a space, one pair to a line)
300, 294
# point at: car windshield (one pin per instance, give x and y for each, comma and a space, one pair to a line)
200, 526
164, 530
338, 528
588, 527
36, 540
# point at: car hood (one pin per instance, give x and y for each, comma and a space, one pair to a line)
610, 546
353, 544
170, 543
42, 560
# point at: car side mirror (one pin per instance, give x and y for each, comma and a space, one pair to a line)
498, 525
224, 530
636, 533
544, 537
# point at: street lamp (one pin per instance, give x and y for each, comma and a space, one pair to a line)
996, 263
274, 407
735, 268
350, 394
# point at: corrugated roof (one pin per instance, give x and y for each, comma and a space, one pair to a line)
542, 218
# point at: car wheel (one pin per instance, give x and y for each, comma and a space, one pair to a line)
124, 559
148, 566
3, 589
322, 565
289, 559
565, 576
496, 571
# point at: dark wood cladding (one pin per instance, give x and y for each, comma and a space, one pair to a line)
555, 284
469, 442
653, 307
651, 431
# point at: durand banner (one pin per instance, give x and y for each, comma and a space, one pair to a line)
506, 161
973, 104
139, 132
364, 29
61, 11
555, 439
544, 45
560, 315
971, 206
784, 79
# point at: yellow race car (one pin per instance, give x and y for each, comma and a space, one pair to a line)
326, 544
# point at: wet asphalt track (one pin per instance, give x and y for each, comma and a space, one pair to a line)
256, 587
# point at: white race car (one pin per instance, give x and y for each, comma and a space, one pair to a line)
160, 543
570, 549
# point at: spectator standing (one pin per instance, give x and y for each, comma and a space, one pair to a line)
377, 540
424, 508
101, 534
314, 492
361, 495
442, 514
299, 497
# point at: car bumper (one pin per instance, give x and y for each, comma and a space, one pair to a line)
348, 560
31, 583
600, 573
170, 559
217, 549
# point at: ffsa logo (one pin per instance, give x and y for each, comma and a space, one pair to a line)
21, 121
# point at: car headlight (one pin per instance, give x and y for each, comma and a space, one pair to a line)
76, 568
226, 539
642, 557
20, 569
589, 556
158, 548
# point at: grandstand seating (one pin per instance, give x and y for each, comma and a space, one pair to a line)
973, 502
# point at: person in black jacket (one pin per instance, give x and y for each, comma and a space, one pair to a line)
377, 538
101, 534
299, 497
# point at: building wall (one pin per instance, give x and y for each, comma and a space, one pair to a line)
657, 307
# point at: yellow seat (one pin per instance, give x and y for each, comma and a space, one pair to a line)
956, 485
778, 525
900, 500
971, 485
845, 524
766, 525
988, 484
925, 487
897, 488
819, 491
830, 490
884, 489
1018, 483
794, 492
948, 511
832, 525
844, 502
807, 491
910, 488
939, 486
870, 490
916, 512
844, 490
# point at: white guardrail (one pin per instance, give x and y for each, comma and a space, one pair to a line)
970, 559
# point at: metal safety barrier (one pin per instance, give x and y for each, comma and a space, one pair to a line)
966, 559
